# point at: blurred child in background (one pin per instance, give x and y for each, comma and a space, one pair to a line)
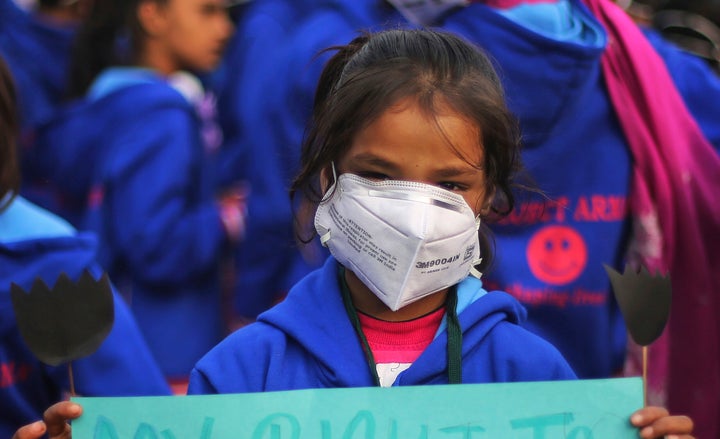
132, 159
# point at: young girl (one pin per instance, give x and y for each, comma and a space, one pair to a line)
131, 157
410, 148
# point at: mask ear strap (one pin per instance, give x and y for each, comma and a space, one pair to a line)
331, 188
325, 237
332, 166
474, 271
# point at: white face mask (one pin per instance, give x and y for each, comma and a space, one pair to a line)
404, 240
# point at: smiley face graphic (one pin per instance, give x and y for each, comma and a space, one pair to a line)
557, 255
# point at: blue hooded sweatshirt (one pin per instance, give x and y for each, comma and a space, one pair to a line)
307, 341
549, 254
131, 166
35, 243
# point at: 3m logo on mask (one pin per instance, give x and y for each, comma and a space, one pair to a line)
437, 262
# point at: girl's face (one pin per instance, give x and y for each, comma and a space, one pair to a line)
406, 144
192, 34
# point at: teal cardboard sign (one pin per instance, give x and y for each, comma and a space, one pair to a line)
582, 409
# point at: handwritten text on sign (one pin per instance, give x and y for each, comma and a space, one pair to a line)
587, 409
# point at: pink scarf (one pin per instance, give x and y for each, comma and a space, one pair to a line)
675, 204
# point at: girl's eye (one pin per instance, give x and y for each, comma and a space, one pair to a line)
374, 176
451, 186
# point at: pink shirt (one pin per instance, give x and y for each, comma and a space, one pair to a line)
403, 342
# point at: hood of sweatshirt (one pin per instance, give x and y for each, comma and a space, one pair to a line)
35, 244
314, 316
71, 150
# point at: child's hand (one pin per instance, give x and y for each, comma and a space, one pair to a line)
54, 422
656, 422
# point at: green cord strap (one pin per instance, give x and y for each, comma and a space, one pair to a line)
454, 349
355, 320
454, 341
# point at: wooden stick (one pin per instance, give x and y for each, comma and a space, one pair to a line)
72, 381
644, 372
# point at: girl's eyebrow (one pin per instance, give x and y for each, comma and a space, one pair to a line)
368, 158
455, 171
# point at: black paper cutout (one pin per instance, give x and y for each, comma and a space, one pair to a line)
67, 322
644, 301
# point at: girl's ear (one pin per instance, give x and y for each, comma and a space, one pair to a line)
326, 178
151, 17
487, 203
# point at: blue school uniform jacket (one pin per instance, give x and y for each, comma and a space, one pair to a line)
308, 341
550, 255
131, 165
35, 243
